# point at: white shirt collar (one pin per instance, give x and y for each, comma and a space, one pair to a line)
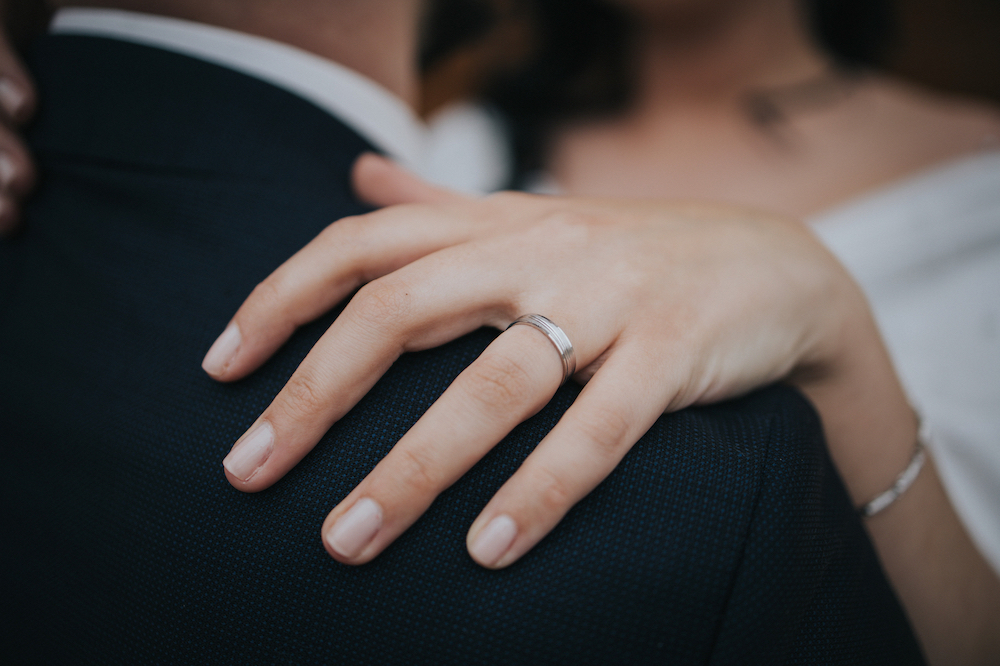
368, 108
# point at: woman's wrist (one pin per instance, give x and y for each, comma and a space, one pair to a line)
870, 427
903, 482
949, 591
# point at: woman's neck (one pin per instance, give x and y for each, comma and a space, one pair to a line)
721, 51
735, 103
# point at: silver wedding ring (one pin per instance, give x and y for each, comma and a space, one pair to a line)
556, 337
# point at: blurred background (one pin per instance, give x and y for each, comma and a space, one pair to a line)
530, 63
540, 62
950, 45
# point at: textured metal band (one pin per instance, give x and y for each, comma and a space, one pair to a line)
556, 336
904, 480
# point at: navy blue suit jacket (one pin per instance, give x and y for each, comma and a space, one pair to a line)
170, 188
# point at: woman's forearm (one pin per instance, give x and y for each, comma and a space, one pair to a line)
950, 592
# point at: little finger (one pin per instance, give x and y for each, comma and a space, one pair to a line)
614, 410
512, 379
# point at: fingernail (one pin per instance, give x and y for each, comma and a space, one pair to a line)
222, 351
356, 528
494, 540
11, 97
250, 453
7, 171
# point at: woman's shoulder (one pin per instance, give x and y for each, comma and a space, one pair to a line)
888, 131
923, 124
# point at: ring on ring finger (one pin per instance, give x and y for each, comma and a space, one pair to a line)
556, 336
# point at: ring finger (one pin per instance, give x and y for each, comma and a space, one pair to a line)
514, 378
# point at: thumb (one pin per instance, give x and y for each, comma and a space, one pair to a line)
381, 182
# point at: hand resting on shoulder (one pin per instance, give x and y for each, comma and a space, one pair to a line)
667, 305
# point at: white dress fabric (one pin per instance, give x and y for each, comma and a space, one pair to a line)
468, 149
926, 251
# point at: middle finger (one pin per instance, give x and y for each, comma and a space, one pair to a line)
512, 379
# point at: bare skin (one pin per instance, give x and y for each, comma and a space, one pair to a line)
718, 300
688, 134
945, 585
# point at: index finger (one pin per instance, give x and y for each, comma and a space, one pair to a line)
422, 306
344, 256
347, 254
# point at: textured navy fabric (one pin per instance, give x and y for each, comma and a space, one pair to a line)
170, 188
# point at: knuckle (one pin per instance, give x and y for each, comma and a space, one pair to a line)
381, 303
628, 277
570, 229
501, 205
552, 493
507, 198
272, 307
268, 308
268, 296
607, 429
302, 396
566, 220
344, 226
344, 233
499, 382
417, 473
329, 235
345, 243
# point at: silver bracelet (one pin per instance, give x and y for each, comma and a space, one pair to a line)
905, 479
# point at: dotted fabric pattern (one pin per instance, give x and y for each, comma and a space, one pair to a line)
171, 187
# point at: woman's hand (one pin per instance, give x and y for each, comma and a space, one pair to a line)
666, 305
17, 105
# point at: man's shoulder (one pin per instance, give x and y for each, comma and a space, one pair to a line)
124, 102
